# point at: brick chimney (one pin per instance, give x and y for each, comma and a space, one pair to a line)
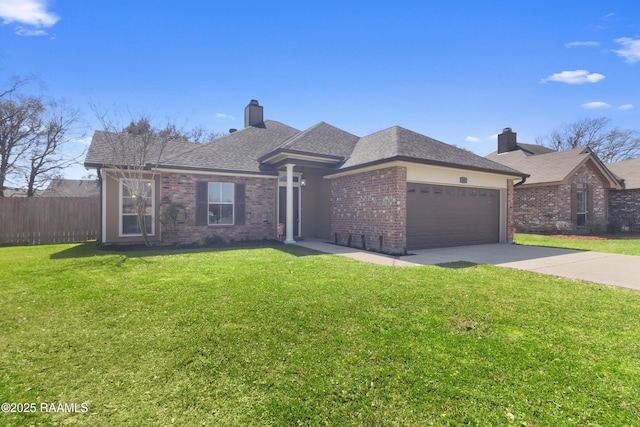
253, 115
507, 141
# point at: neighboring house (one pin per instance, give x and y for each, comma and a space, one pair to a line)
566, 190
624, 204
18, 192
392, 191
61, 187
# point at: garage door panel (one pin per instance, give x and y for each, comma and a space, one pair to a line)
447, 216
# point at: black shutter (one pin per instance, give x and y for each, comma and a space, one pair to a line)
202, 202
239, 211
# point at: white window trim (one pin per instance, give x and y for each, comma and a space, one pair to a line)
233, 204
153, 208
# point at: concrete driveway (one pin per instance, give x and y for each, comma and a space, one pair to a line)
597, 267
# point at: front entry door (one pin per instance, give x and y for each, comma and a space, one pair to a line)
282, 208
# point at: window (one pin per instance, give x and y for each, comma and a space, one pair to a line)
581, 205
220, 203
133, 191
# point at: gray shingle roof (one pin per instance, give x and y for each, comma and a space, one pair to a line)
242, 150
397, 142
109, 149
629, 170
553, 167
534, 148
322, 139
60, 187
237, 151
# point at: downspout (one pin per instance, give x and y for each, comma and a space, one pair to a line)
524, 178
100, 183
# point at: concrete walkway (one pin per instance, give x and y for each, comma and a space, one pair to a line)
597, 267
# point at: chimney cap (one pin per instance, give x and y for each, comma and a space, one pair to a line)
506, 130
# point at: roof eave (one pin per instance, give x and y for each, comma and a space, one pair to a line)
282, 153
427, 162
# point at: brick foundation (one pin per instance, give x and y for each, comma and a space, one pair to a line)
372, 204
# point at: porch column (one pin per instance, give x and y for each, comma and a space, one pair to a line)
289, 224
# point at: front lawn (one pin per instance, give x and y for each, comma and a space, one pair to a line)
285, 336
616, 244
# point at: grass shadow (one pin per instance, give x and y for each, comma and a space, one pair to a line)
457, 264
90, 249
298, 251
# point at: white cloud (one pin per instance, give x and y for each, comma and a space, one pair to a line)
595, 105
576, 77
472, 139
581, 44
86, 140
224, 116
626, 107
24, 32
28, 12
630, 50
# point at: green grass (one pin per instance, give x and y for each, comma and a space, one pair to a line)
626, 245
285, 336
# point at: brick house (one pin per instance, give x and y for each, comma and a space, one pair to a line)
566, 191
392, 191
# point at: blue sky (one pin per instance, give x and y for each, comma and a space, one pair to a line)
457, 71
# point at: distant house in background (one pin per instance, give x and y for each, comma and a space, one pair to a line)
72, 188
18, 192
569, 190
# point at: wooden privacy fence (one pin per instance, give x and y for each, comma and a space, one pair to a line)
44, 220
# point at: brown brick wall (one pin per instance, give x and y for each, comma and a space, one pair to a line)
372, 203
624, 208
260, 209
548, 209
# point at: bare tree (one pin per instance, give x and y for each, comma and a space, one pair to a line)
134, 153
33, 132
44, 158
19, 127
170, 131
609, 144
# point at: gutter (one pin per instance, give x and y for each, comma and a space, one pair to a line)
524, 178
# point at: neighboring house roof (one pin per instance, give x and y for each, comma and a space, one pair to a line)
534, 148
552, 168
627, 170
402, 144
72, 188
18, 192
262, 147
